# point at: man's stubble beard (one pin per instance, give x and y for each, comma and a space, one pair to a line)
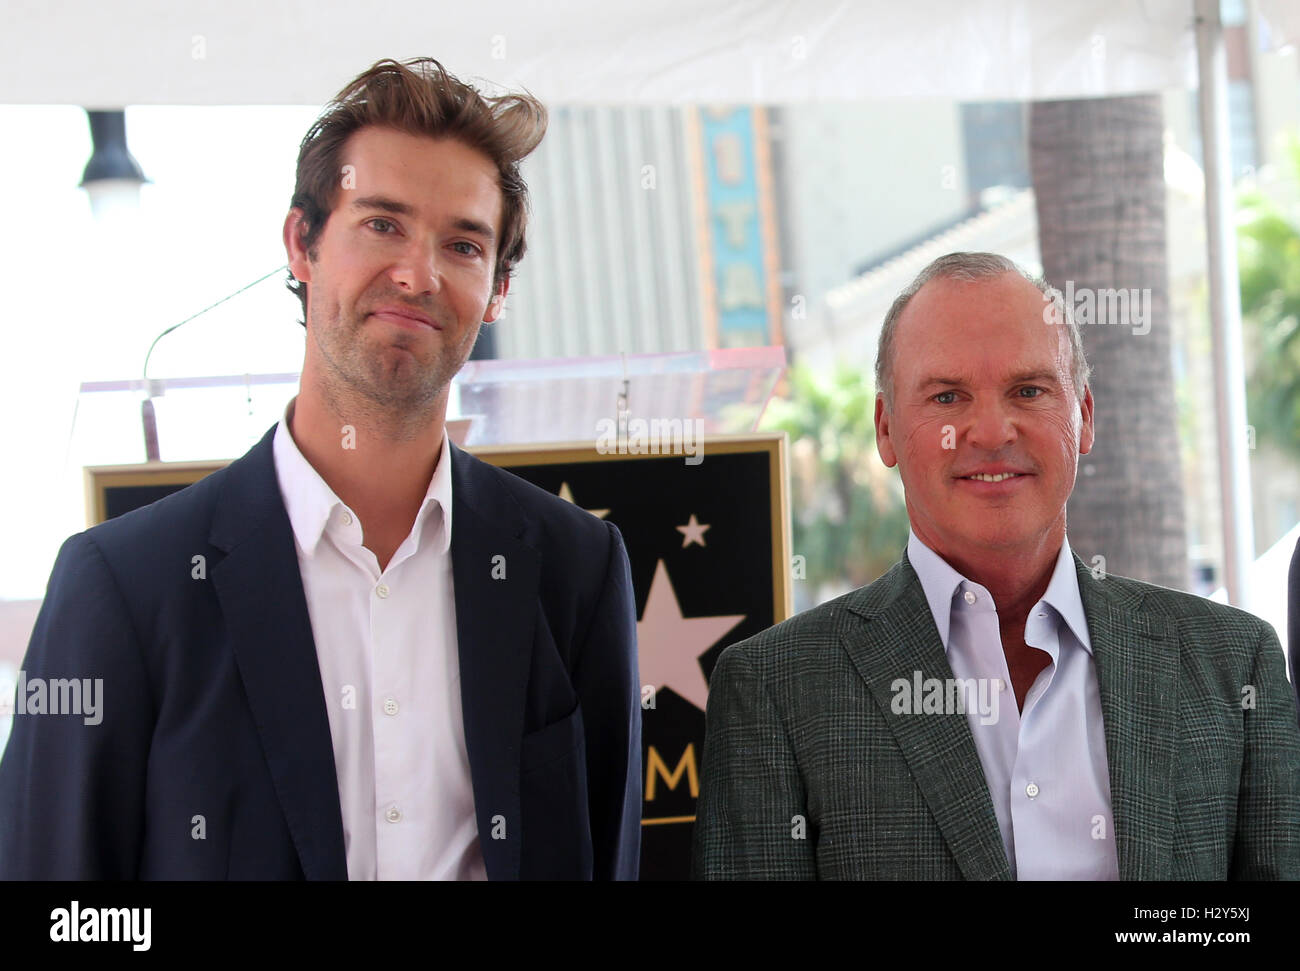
389, 385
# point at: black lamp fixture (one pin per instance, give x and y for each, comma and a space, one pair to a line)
112, 177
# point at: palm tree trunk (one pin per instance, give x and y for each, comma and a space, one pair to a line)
1098, 177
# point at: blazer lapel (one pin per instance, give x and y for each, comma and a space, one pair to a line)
1137, 677
496, 578
259, 587
899, 638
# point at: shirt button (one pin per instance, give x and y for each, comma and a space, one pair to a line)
1031, 790
970, 597
393, 815
390, 706
347, 519
382, 590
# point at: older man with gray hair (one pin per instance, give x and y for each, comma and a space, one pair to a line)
990, 708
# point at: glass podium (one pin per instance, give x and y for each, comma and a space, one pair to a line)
492, 403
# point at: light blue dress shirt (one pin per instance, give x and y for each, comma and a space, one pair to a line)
1046, 768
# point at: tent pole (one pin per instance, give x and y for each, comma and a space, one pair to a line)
1225, 306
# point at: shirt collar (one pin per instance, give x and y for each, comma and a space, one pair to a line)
941, 582
312, 505
1064, 597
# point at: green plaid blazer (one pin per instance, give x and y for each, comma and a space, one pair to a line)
802, 742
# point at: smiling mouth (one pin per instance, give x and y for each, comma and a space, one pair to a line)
1000, 477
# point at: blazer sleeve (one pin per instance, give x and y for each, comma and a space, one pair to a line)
1268, 803
72, 786
751, 819
607, 680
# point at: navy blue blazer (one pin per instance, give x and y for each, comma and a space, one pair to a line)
212, 702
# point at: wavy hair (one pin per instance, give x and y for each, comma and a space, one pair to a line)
419, 97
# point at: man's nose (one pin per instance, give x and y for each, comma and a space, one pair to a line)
418, 268
991, 424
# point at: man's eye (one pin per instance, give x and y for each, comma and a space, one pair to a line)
1037, 392
469, 248
946, 397
378, 224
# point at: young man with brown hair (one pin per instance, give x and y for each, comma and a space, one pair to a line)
397, 662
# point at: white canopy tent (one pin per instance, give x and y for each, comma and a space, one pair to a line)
97, 55
583, 51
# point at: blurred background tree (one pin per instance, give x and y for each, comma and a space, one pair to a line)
1097, 166
849, 520
1268, 240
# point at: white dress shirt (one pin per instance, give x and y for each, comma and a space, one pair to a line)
1046, 768
387, 650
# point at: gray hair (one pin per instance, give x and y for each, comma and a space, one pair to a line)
968, 268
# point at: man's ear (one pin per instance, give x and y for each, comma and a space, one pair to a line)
295, 227
884, 443
1087, 431
497, 304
